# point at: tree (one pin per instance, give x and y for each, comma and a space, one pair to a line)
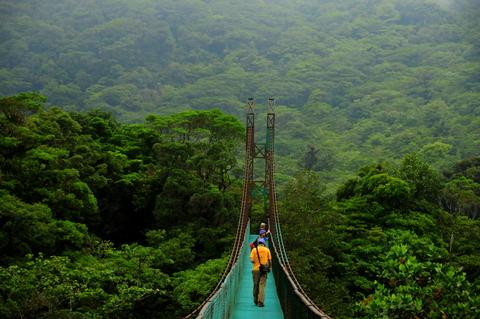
193, 286
409, 288
16, 108
425, 181
461, 195
28, 229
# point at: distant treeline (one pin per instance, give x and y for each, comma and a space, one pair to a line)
357, 80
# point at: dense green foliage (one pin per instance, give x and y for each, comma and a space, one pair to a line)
106, 220
397, 242
359, 81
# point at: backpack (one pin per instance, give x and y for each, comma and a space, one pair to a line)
254, 243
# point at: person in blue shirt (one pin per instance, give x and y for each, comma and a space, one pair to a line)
261, 234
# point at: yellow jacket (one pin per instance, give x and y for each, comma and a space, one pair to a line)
265, 257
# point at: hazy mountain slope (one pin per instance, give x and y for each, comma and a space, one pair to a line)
358, 80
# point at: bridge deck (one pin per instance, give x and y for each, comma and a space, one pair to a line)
244, 307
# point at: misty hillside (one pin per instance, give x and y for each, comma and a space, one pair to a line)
357, 80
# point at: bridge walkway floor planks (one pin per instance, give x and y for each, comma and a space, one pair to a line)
244, 307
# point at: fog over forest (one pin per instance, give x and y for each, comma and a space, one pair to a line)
370, 75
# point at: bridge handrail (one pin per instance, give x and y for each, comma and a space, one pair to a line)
219, 305
243, 221
279, 251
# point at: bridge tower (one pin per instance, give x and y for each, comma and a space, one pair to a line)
250, 154
262, 151
294, 302
269, 151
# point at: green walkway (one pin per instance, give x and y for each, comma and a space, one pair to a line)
244, 307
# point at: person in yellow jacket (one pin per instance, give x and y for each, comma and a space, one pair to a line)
261, 258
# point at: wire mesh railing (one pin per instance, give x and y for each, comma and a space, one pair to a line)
209, 308
295, 302
220, 304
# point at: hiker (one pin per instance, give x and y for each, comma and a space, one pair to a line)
262, 227
261, 234
262, 261
264, 234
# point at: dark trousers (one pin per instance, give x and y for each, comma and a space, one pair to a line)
259, 282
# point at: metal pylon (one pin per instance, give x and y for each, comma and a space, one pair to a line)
269, 152
260, 151
250, 153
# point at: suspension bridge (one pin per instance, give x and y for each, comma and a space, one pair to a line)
233, 297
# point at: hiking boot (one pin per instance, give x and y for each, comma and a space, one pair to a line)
260, 304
